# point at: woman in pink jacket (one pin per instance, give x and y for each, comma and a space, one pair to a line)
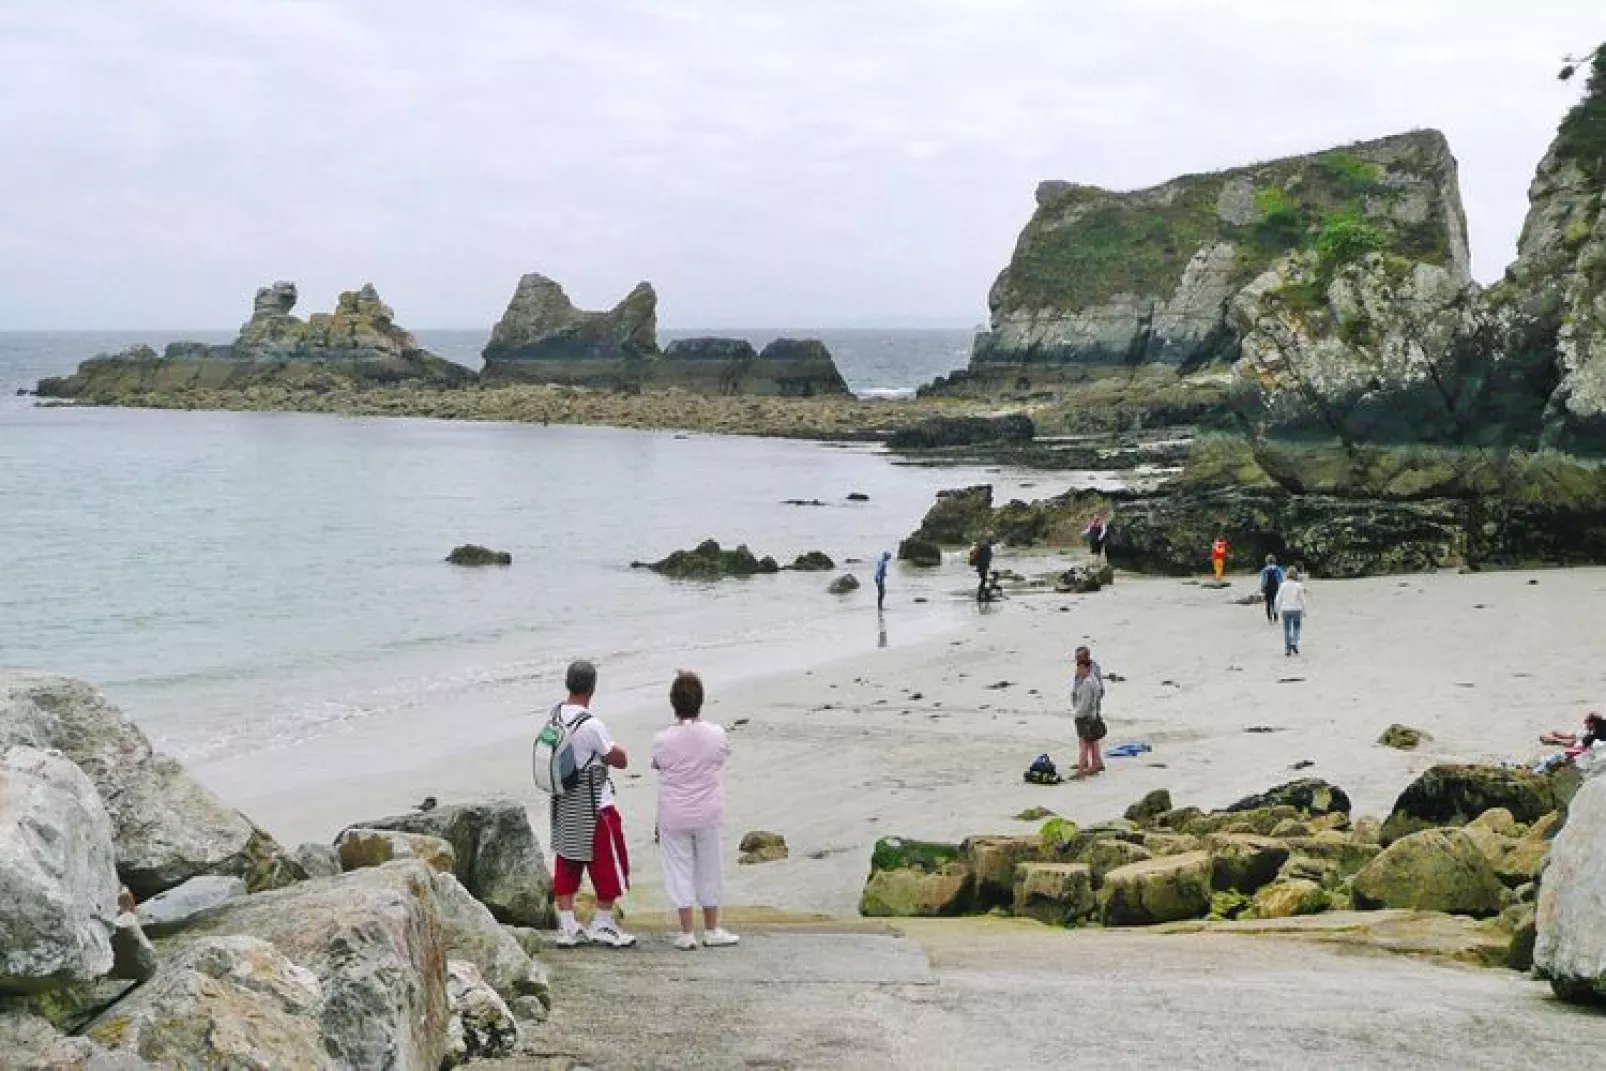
690, 759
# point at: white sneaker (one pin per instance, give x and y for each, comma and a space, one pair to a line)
686, 942
720, 938
609, 935
570, 938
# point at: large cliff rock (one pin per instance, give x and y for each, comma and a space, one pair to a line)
544, 338
359, 343
1102, 281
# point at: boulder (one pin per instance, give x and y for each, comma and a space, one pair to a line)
1150, 807
900, 853
58, 880
1522, 921
1110, 853
708, 561
1403, 737
992, 861
1497, 820
133, 955
1291, 827
1432, 870
1260, 821
472, 934
166, 827
543, 338
472, 554
920, 552
1286, 899
1060, 894
482, 1027
844, 584
1167, 889
359, 847
498, 856
170, 911
317, 860
234, 1002
1084, 578
1171, 843
1453, 794
30, 1043
1310, 795
909, 893
960, 515
373, 940
1345, 855
1245, 863
814, 561
1571, 947
762, 846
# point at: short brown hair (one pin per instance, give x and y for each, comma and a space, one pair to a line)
686, 695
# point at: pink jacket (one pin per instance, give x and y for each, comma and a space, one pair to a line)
690, 760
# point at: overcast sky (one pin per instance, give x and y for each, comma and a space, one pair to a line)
762, 162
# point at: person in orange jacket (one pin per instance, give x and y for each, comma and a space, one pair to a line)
1218, 556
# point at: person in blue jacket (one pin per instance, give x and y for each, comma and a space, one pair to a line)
1271, 578
881, 579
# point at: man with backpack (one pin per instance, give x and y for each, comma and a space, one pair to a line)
572, 757
1271, 578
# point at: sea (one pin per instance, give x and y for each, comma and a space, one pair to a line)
240, 582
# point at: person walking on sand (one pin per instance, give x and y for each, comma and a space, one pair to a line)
981, 557
587, 833
1095, 533
1218, 557
1271, 578
881, 580
690, 759
1087, 699
1290, 606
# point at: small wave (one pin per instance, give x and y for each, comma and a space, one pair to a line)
887, 393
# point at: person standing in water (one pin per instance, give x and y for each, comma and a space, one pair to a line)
881, 579
1290, 605
1271, 578
1218, 557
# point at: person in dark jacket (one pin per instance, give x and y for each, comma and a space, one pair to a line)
983, 561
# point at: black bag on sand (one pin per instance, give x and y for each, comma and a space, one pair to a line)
1042, 772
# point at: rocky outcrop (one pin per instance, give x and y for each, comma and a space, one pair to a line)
359, 343
1570, 949
1454, 794
544, 338
166, 826
58, 881
709, 561
939, 432
473, 555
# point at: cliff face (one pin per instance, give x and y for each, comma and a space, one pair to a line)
359, 343
1102, 280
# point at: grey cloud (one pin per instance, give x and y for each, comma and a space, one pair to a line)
762, 162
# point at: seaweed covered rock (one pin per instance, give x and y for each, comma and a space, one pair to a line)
1433, 870
709, 561
1453, 794
472, 554
1060, 894
845, 584
960, 515
1166, 889
813, 561
920, 552
938, 432
1310, 795
912, 878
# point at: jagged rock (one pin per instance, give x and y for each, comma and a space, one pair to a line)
938, 432
1310, 795
1150, 807
1286, 899
813, 561
844, 584
133, 955
920, 552
30, 1043
375, 847
170, 910
1085, 578
708, 561
471, 933
543, 338
482, 1027
1571, 947
1453, 794
499, 857
224, 1002
166, 827
1060, 894
317, 860
961, 515
1167, 889
58, 881
1403, 737
474, 554
373, 939
761, 846
1434, 870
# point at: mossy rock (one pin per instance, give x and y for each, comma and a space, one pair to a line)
1060, 894
993, 861
1453, 794
1403, 737
1168, 889
1287, 899
1228, 905
1309, 795
920, 552
908, 893
473, 554
1150, 807
709, 561
1433, 870
814, 561
901, 853
1244, 863
960, 515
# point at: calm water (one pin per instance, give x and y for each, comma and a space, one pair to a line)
242, 579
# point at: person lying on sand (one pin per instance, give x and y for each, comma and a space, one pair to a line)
1594, 729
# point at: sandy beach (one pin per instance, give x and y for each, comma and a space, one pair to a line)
928, 739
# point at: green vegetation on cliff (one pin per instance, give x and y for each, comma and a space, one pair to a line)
1582, 135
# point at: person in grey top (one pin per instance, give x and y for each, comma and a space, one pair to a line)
1087, 698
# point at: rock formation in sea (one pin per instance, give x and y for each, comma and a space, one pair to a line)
544, 338
359, 343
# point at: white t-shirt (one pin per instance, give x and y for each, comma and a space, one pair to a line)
591, 744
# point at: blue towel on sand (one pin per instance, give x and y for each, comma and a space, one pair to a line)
1127, 751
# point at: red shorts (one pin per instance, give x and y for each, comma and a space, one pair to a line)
609, 866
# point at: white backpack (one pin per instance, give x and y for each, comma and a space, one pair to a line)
552, 760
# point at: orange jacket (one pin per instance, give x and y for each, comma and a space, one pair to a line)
1218, 549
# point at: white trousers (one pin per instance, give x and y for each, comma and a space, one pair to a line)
692, 867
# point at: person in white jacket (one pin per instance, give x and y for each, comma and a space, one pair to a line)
1290, 606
